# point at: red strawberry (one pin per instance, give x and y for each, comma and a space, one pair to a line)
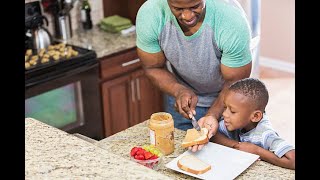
134, 151
153, 157
139, 157
147, 155
141, 151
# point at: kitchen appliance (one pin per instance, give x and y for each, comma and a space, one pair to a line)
64, 92
65, 28
60, 11
41, 36
37, 36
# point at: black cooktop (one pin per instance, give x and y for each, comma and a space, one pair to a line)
54, 67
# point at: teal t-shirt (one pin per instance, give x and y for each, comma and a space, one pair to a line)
224, 37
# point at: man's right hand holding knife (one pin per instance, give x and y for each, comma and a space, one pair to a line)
186, 103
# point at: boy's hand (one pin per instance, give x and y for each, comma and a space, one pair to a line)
247, 147
211, 123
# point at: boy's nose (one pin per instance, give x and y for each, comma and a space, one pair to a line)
224, 113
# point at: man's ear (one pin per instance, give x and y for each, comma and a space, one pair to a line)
257, 116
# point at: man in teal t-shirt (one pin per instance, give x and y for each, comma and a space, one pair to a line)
206, 43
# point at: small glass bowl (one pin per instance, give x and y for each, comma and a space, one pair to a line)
150, 163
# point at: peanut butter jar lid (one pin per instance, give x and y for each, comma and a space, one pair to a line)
161, 117
161, 120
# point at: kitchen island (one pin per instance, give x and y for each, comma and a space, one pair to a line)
54, 154
138, 135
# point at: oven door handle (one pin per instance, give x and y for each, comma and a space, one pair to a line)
63, 74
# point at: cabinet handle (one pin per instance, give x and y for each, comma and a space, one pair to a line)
132, 91
138, 88
130, 62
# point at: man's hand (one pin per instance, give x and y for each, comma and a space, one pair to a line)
186, 101
209, 122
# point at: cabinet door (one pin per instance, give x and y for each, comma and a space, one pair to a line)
149, 98
123, 8
117, 104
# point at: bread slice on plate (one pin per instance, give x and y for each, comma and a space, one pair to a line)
193, 164
194, 137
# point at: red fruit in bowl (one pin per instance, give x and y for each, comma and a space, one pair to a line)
134, 151
148, 155
141, 151
139, 156
153, 157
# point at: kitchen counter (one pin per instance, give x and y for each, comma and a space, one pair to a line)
104, 43
138, 135
54, 154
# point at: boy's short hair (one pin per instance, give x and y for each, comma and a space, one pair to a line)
254, 89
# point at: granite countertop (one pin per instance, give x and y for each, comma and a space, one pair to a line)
138, 135
54, 154
104, 43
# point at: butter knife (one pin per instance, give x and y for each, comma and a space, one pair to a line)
195, 124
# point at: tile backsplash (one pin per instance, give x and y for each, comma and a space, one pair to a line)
96, 13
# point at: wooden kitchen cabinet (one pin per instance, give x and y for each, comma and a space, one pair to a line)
122, 8
148, 98
128, 95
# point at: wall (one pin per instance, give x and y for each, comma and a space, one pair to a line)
277, 33
278, 30
96, 14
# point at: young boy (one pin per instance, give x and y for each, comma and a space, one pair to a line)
245, 122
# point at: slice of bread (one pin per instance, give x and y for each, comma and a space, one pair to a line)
193, 164
193, 137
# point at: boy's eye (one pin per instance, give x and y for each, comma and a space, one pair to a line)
178, 9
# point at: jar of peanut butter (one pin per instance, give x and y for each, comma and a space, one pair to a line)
161, 130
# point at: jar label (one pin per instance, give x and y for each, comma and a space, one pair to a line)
152, 137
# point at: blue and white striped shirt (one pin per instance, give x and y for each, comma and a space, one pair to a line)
262, 135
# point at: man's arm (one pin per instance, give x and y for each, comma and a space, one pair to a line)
286, 161
154, 66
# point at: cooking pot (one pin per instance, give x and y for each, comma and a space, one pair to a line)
41, 36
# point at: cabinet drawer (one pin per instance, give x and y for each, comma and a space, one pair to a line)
119, 63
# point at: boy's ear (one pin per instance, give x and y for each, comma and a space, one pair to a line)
257, 116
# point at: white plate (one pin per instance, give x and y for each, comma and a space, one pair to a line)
226, 163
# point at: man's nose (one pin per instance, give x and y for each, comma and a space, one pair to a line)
187, 14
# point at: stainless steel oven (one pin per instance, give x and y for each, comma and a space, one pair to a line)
66, 94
